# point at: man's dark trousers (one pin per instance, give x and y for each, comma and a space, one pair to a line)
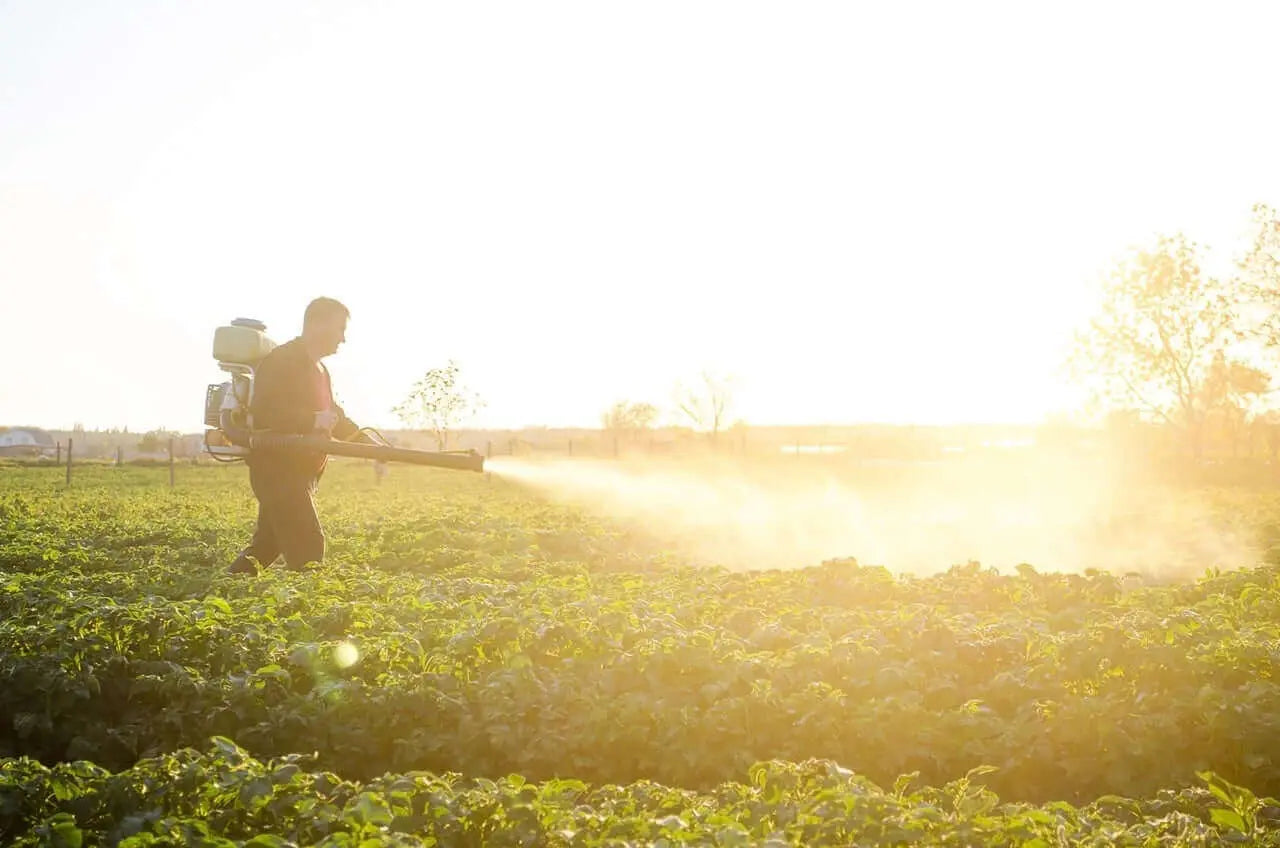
287, 519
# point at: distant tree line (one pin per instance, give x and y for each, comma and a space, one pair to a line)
440, 402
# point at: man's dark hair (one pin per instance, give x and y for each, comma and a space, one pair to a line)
322, 308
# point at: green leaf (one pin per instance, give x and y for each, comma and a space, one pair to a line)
64, 789
1217, 786
65, 834
285, 773
228, 749
370, 809
409, 824
1227, 818
254, 790
217, 603
671, 822
267, 840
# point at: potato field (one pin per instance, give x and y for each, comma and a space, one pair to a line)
478, 665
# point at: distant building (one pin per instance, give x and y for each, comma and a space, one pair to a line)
25, 441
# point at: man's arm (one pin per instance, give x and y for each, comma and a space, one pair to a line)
348, 431
344, 428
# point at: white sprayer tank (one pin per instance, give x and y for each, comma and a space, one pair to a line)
242, 342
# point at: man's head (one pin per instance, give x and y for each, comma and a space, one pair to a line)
324, 326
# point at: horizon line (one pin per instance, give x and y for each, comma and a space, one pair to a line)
978, 424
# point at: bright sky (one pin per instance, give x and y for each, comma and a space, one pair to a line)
866, 212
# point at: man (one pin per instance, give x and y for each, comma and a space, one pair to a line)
292, 394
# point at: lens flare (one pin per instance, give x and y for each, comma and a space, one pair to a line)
345, 655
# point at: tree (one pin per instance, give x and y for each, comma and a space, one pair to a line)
1267, 427
1260, 278
625, 419
1164, 339
439, 403
157, 440
1231, 393
707, 403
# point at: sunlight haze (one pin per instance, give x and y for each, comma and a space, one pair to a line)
889, 214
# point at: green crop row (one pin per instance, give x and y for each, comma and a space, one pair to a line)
225, 797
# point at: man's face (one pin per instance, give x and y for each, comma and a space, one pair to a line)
330, 333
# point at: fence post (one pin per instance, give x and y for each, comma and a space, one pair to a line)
119, 456
58, 461
69, 461
488, 449
171, 462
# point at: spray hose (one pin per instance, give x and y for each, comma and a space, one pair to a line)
267, 441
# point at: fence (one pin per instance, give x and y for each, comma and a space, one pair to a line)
119, 459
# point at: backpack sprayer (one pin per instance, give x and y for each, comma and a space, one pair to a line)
229, 435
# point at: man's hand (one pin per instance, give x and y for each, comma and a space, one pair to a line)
324, 421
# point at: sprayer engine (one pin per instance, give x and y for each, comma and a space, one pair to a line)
230, 434
238, 347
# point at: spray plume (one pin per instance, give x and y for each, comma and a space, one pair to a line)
1056, 514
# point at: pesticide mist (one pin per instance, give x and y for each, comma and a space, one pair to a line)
1054, 514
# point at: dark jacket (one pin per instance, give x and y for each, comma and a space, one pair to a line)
285, 400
